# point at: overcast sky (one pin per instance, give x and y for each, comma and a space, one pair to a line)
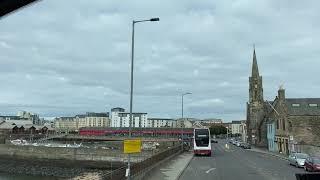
61, 57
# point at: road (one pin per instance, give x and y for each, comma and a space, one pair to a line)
237, 163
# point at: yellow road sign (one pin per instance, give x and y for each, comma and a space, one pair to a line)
132, 146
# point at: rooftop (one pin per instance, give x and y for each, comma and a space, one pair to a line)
236, 122
118, 109
93, 114
303, 106
132, 113
167, 119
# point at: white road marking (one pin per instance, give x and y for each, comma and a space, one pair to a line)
210, 170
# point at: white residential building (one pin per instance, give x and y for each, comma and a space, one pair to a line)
138, 119
120, 118
236, 127
161, 122
115, 119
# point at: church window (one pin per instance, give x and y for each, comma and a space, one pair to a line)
295, 105
284, 125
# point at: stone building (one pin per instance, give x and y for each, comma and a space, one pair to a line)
296, 121
90, 119
65, 124
256, 126
292, 121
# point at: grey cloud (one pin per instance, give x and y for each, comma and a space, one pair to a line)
76, 54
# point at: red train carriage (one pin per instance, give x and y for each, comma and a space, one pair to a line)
171, 132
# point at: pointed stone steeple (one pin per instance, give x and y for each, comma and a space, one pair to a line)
255, 70
255, 82
256, 106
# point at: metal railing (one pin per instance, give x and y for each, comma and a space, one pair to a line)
141, 167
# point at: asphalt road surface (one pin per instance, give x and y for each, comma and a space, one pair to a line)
235, 163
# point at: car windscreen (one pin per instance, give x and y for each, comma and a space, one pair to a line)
302, 156
316, 160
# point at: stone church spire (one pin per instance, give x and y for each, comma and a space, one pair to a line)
255, 70
255, 106
255, 83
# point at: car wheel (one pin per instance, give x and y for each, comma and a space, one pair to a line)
305, 168
297, 165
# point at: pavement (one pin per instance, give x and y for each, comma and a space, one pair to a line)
171, 169
264, 151
233, 163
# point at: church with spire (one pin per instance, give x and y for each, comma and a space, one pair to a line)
255, 107
283, 124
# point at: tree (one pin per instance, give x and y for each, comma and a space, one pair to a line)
217, 130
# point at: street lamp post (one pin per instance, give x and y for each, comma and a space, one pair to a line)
131, 82
182, 95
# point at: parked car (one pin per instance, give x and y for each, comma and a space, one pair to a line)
214, 141
298, 159
242, 144
246, 146
238, 143
234, 142
312, 164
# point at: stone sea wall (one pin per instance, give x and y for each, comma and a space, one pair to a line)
57, 162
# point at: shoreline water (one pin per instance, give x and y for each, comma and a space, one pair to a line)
33, 169
9, 176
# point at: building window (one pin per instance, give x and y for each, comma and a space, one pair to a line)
313, 105
284, 125
290, 124
269, 128
295, 105
277, 124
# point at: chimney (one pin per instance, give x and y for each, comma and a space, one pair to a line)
281, 94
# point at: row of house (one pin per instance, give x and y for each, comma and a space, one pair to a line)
117, 118
73, 123
120, 118
12, 128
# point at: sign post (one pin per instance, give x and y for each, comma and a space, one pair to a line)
132, 146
